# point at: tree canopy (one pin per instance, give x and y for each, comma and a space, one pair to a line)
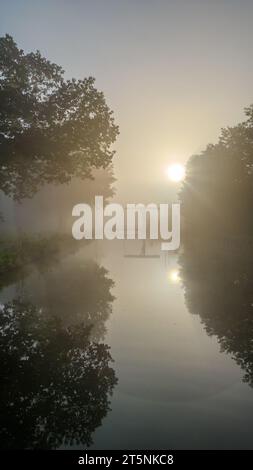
217, 194
217, 257
51, 129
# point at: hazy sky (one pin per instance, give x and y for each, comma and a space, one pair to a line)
173, 71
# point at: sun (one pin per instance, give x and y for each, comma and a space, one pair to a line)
174, 276
176, 172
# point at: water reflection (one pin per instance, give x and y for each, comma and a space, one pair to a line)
218, 282
76, 291
56, 374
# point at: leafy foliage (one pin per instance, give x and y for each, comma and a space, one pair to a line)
217, 256
51, 129
217, 194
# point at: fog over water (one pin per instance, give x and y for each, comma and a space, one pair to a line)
118, 344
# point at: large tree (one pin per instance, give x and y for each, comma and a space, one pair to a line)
217, 194
51, 129
217, 257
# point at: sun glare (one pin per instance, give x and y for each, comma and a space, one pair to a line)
176, 172
174, 276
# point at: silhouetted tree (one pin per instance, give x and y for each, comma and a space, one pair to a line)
217, 194
55, 381
51, 129
217, 256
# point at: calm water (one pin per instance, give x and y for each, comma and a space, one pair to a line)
169, 385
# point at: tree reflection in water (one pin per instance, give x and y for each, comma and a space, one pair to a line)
219, 287
77, 291
217, 256
56, 379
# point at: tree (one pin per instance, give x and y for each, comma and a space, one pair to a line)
217, 258
51, 129
217, 194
